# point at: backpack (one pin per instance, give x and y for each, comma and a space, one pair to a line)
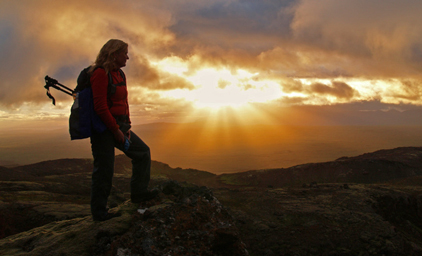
83, 119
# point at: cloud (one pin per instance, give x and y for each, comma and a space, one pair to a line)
148, 106
280, 41
248, 25
408, 90
143, 74
39, 38
386, 32
337, 89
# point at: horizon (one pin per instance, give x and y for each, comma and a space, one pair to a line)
221, 150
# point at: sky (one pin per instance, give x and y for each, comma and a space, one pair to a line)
265, 61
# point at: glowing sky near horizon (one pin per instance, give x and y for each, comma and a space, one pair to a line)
191, 55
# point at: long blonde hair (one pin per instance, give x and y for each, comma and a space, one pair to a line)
105, 57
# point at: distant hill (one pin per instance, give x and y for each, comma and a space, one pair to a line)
377, 167
8, 164
389, 165
11, 174
53, 167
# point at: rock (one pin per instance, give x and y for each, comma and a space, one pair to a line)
415, 248
262, 227
194, 224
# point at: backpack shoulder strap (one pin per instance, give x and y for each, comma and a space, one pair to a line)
111, 86
123, 75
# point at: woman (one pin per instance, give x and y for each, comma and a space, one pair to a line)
111, 105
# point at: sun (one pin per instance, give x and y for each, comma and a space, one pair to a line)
217, 88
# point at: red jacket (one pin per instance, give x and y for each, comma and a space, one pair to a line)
109, 107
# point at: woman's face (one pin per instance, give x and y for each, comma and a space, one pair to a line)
121, 57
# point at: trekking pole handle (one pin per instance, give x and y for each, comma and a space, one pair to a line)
52, 82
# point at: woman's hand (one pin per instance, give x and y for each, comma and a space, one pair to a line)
119, 136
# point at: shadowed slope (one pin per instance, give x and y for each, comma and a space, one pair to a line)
377, 167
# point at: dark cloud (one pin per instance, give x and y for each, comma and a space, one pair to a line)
337, 89
411, 90
381, 31
223, 84
292, 86
253, 26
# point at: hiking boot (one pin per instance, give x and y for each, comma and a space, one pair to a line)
107, 216
150, 194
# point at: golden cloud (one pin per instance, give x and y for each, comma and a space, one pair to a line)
279, 42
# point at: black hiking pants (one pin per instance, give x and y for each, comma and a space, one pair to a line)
103, 145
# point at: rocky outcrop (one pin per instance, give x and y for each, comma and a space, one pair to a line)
328, 219
187, 221
183, 220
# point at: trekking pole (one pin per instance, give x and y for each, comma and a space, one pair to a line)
50, 82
